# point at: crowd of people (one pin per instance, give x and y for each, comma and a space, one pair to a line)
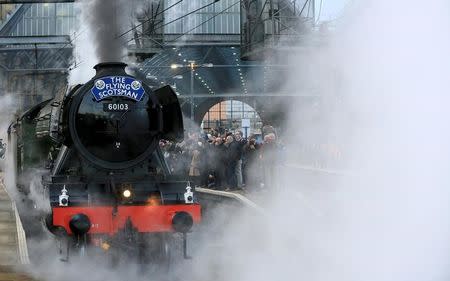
224, 161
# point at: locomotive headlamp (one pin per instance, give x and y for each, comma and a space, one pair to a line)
188, 195
64, 198
126, 193
126, 190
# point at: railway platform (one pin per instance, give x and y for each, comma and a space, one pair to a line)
13, 248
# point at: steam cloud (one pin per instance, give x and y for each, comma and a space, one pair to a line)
8, 103
384, 95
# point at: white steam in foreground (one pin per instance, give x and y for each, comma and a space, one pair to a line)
388, 218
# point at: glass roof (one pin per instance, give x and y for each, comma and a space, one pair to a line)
219, 70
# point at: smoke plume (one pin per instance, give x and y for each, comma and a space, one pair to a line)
106, 20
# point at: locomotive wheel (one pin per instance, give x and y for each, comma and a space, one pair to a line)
155, 253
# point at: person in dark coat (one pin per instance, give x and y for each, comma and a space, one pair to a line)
210, 165
219, 163
232, 150
239, 143
250, 166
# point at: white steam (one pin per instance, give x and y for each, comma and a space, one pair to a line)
84, 57
33, 178
388, 218
8, 106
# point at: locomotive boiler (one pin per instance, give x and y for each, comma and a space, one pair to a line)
96, 147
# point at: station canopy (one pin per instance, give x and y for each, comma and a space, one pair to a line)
219, 70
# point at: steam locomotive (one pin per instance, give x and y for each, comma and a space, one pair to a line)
96, 146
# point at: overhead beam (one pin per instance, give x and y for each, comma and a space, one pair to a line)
32, 40
16, 48
240, 95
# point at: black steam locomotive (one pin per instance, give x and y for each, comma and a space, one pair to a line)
96, 146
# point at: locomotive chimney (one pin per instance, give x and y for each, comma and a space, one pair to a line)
110, 68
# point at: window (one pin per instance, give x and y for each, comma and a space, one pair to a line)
47, 19
228, 22
229, 114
